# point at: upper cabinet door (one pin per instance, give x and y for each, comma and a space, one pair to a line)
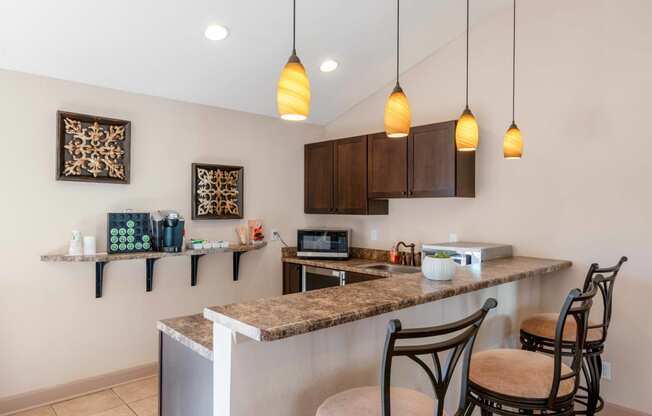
318, 178
432, 156
388, 169
350, 157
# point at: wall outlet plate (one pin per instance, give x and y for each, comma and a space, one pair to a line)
606, 370
452, 238
275, 235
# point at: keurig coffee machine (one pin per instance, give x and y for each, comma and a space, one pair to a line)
167, 231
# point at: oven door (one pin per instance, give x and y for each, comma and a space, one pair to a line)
313, 278
323, 243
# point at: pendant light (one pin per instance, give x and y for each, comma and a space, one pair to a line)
466, 132
397, 108
293, 90
513, 141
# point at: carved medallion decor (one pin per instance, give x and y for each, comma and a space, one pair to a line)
92, 149
217, 192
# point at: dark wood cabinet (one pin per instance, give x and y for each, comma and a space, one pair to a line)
350, 156
291, 278
353, 277
425, 164
356, 175
336, 178
318, 178
387, 168
435, 167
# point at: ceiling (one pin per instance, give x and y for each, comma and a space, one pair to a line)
157, 47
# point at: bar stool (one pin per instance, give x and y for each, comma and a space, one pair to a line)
538, 334
392, 401
517, 382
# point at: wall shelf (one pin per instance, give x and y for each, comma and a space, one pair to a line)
150, 257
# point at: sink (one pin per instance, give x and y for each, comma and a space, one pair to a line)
391, 268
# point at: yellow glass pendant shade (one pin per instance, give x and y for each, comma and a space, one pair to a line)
293, 91
397, 114
513, 143
466, 132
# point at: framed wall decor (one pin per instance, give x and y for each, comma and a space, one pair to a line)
92, 149
217, 192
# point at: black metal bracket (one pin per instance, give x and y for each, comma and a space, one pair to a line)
149, 277
99, 277
149, 271
194, 268
236, 264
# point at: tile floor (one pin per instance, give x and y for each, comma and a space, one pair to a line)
139, 398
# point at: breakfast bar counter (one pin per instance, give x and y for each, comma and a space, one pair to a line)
285, 316
324, 341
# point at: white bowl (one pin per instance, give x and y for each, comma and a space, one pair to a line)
438, 269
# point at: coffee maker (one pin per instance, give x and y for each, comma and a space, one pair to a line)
167, 231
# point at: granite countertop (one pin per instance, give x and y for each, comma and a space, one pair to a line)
194, 331
286, 316
350, 265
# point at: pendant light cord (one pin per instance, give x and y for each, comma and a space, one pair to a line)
514, 68
294, 26
467, 53
398, 33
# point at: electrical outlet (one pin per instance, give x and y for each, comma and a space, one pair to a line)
275, 235
452, 238
606, 370
374, 235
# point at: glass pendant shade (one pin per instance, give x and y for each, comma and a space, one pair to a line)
293, 91
513, 143
466, 132
397, 114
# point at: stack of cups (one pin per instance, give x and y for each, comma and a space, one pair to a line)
89, 245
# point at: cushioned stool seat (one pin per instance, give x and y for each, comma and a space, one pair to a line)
365, 401
517, 373
544, 325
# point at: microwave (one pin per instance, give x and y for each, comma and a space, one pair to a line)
324, 243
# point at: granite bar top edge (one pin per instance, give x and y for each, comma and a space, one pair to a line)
460, 285
183, 330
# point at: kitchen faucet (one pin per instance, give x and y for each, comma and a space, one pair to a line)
411, 261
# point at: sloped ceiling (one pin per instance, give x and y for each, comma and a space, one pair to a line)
157, 47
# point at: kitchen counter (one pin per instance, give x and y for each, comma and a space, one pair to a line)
290, 315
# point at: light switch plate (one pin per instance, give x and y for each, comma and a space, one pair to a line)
374, 235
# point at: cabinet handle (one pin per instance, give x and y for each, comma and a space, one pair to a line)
404, 193
411, 192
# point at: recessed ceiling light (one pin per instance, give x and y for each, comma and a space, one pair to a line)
328, 65
216, 32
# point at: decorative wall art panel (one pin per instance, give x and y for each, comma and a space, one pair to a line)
217, 192
92, 149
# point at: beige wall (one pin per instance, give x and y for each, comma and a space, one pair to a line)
582, 190
52, 329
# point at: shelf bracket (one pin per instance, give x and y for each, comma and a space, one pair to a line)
236, 264
194, 268
99, 278
149, 277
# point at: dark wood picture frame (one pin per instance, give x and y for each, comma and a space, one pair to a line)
198, 206
102, 175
